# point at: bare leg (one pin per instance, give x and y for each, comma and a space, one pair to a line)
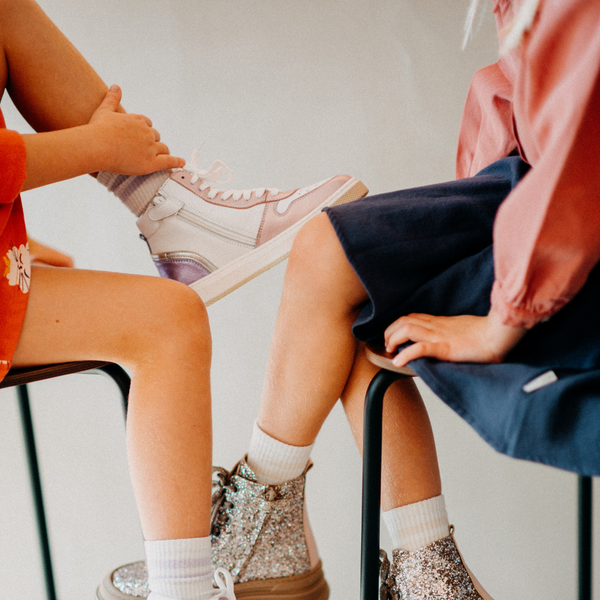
314, 361
159, 330
410, 471
51, 84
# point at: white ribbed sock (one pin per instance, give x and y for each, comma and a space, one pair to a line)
274, 462
180, 569
136, 191
417, 525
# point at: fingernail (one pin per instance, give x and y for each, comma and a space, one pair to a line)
114, 88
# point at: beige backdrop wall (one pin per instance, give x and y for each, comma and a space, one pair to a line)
287, 92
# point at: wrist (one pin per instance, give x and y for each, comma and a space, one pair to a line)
502, 338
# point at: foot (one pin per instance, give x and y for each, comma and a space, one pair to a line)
259, 535
435, 572
216, 240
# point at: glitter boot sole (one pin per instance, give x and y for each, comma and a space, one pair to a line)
308, 586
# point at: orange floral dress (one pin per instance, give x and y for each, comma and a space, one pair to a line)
15, 264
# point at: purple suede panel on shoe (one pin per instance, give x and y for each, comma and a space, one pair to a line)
182, 269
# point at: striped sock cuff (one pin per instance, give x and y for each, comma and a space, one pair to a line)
417, 525
135, 191
274, 462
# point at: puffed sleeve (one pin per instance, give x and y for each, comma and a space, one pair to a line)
486, 129
12, 165
547, 232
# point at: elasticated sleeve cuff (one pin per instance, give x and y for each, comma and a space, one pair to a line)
12, 165
522, 316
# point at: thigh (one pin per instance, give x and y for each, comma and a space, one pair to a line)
403, 242
75, 314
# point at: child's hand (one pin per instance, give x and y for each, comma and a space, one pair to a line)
456, 339
128, 144
42, 254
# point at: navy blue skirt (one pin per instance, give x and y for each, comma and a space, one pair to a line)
429, 250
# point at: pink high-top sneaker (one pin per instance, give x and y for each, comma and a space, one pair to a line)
216, 240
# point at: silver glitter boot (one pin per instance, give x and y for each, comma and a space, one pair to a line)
435, 572
258, 535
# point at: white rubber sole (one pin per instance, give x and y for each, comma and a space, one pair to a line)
225, 280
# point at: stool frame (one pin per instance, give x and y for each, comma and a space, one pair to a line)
19, 378
371, 491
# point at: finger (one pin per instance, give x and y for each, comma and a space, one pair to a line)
162, 148
397, 325
407, 332
418, 350
156, 135
112, 99
395, 335
412, 318
166, 161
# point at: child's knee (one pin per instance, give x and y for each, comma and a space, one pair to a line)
317, 257
316, 246
186, 309
178, 316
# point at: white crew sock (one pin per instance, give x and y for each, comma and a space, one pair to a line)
417, 525
180, 569
274, 462
136, 191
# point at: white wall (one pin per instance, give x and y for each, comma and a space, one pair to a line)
287, 93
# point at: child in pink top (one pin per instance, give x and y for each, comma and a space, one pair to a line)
494, 279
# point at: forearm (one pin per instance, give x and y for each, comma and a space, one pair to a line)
59, 155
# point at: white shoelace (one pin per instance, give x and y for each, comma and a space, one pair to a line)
213, 176
225, 583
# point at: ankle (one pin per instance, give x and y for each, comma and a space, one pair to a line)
136, 191
275, 462
417, 525
179, 569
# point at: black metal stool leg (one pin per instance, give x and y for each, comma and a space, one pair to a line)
36, 486
120, 377
371, 490
585, 537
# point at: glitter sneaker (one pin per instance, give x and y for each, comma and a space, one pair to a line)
260, 534
435, 572
216, 240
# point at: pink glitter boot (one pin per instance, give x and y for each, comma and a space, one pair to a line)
435, 572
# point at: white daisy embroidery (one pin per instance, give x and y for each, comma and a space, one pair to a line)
18, 267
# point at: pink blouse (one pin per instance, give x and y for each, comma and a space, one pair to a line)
542, 99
